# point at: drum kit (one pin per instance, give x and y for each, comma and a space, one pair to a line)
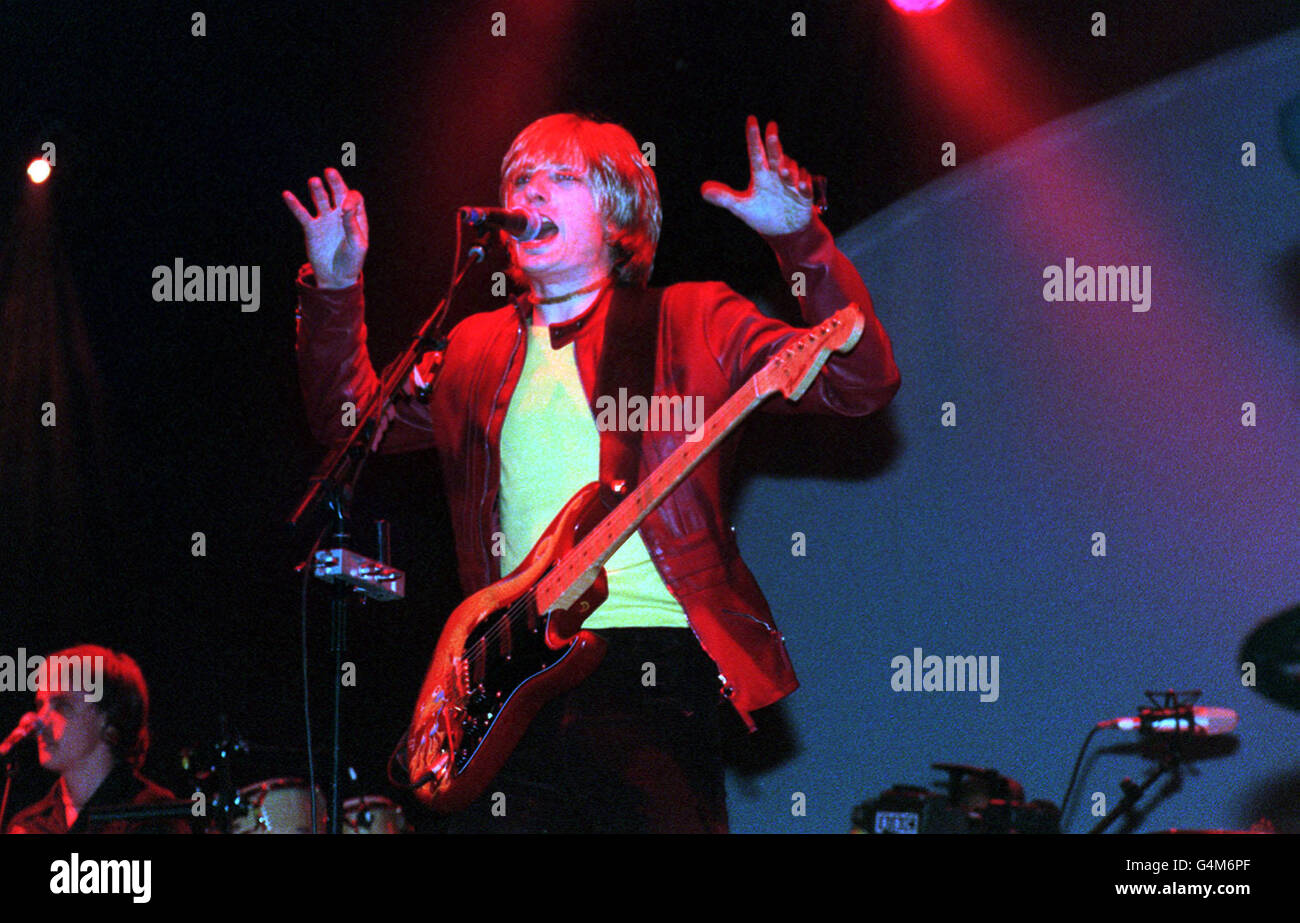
284, 806
277, 805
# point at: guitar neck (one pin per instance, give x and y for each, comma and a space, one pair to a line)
790, 372
581, 565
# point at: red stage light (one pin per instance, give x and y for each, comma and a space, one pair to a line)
38, 170
916, 7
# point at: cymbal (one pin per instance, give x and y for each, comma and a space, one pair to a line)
1274, 648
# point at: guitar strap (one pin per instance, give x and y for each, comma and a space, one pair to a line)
628, 347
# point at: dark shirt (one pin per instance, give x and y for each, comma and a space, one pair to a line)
122, 786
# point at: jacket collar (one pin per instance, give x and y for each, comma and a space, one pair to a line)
564, 334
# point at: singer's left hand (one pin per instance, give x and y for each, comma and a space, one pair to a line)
779, 199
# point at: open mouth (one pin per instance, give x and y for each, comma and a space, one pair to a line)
548, 230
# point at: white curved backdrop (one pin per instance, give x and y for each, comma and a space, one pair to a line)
1072, 418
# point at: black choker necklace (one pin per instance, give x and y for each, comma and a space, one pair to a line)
582, 291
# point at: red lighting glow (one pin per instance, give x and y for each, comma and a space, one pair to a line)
916, 7
38, 170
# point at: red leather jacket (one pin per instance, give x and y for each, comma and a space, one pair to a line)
710, 341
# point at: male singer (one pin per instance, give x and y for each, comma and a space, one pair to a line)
513, 417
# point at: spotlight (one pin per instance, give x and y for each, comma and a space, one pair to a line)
38, 170
916, 7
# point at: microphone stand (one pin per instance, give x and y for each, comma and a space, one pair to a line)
8, 765
338, 472
1171, 759
333, 485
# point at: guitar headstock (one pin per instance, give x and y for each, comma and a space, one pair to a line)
793, 369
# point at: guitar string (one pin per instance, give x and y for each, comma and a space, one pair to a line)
652, 484
488, 640
511, 616
519, 608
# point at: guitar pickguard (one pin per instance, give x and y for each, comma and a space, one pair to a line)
497, 664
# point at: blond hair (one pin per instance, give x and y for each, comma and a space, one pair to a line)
622, 183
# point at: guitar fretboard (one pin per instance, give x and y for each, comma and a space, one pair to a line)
791, 370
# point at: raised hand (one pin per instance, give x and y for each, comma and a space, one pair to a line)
779, 199
338, 237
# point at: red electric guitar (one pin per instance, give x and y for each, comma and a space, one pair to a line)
512, 646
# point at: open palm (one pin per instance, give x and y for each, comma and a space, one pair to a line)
780, 195
339, 235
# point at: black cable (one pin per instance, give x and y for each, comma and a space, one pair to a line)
306, 691
1073, 776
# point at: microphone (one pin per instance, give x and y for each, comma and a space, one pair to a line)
520, 223
27, 724
1204, 720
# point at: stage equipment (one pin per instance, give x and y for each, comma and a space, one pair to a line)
977, 801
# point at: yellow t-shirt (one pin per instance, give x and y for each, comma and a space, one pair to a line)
550, 448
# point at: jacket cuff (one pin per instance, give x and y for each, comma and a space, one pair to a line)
316, 302
327, 311
306, 283
811, 245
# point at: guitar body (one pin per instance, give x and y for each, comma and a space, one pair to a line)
498, 661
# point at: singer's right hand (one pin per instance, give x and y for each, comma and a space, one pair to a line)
338, 237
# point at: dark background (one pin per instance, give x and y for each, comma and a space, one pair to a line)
177, 418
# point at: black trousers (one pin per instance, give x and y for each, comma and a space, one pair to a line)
633, 749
